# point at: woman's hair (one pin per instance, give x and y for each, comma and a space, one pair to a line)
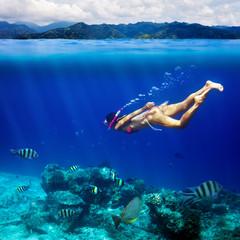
110, 117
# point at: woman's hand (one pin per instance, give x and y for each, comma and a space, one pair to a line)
148, 105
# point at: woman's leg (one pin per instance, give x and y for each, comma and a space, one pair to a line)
166, 121
187, 116
174, 109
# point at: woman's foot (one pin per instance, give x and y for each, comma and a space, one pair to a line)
213, 85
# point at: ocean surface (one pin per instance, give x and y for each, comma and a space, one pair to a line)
55, 94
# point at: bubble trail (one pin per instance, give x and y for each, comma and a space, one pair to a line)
170, 79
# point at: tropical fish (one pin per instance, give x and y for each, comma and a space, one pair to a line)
113, 175
130, 213
94, 190
74, 168
22, 189
26, 153
66, 213
204, 190
119, 182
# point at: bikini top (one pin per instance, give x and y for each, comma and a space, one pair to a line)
130, 130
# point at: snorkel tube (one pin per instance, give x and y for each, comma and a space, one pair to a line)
116, 115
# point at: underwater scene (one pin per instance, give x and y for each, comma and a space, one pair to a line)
169, 172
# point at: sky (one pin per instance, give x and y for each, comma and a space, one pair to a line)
43, 12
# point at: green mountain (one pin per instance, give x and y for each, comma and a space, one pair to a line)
229, 29
12, 30
78, 31
149, 30
185, 31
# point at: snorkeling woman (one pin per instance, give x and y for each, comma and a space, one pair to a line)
161, 115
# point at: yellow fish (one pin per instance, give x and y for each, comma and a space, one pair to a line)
130, 213
95, 190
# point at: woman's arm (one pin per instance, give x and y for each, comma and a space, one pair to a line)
133, 114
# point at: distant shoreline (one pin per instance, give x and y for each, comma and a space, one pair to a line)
140, 30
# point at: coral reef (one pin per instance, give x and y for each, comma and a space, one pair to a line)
206, 219
54, 179
92, 196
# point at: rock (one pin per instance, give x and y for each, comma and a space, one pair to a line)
54, 179
66, 199
78, 178
220, 209
171, 220
138, 184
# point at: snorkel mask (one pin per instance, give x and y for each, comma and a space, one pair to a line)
111, 123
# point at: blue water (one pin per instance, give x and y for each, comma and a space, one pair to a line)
55, 94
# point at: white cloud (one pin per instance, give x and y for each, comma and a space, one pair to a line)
207, 12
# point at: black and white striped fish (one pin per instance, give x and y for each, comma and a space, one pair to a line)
66, 213
22, 189
74, 168
26, 153
204, 190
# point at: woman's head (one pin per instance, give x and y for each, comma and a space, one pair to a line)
109, 119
